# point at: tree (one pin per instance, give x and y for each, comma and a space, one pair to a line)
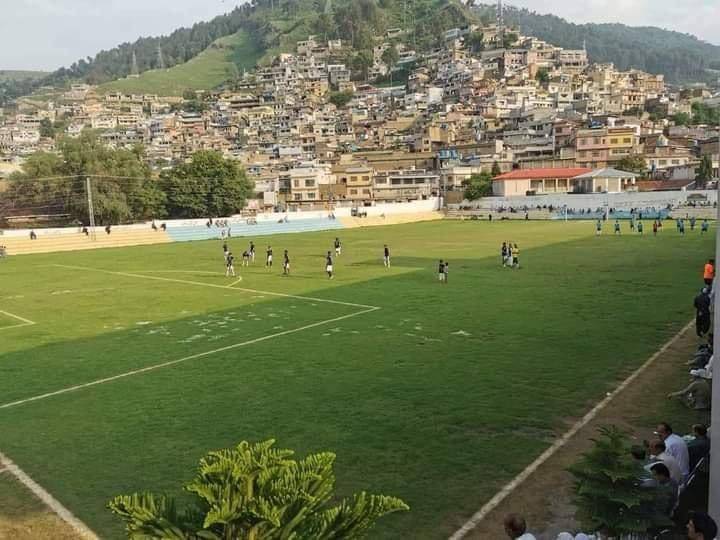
123, 189
509, 39
478, 186
496, 171
209, 185
607, 488
542, 76
362, 61
390, 56
340, 99
476, 41
256, 492
634, 163
682, 119
705, 170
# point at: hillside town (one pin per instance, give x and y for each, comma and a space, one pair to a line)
310, 130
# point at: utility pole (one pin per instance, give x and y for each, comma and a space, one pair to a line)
91, 209
714, 502
500, 25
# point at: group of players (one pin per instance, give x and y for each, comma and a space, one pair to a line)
637, 225
248, 256
510, 254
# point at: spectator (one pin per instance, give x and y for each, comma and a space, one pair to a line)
153, 226
702, 312
163, 226
85, 231
516, 528
33, 236
701, 527
709, 272
698, 394
108, 228
674, 446
698, 447
666, 491
658, 455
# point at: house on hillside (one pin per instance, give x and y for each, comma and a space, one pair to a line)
605, 181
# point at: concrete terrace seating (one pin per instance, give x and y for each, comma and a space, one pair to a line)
47, 243
263, 228
391, 219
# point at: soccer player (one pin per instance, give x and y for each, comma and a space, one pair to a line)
286, 264
338, 247
329, 265
252, 251
598, 228
504, 254
229, 265
640, 227
386, 256
704, 226
709, 272
245, 258
225, 250
692, 223
632, 224
617, 226
446, 271
515, 256
655, 228
441, 271
268, 259
682, 227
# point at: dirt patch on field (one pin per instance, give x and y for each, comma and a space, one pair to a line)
24, 517
545, 498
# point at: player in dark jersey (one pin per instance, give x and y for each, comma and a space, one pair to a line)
229, 265
225, 250
504, 253
441, 271
268, 259
386, 256
286, 264
338, 247
252, 251
329, 265
246, 258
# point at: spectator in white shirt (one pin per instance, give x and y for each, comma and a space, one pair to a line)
515, 527
658, 453
675, 446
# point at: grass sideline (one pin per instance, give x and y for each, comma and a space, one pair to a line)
440, 397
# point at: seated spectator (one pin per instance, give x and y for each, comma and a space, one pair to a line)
701, 527
153, 226
3, 251
163, 226
675, 446
33, 236
698, 394
699, 446
658, 455
516, 528
665, 490
108, 228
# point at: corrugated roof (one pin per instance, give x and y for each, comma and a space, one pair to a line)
538, 174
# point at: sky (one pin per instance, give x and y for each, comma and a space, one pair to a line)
48, 34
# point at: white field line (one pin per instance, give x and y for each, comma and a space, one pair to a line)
234, 283
56, 506
213, 285
493, 503
23, 321
182, 360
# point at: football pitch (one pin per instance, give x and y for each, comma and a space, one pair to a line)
120, 368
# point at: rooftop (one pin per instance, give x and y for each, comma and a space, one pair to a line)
537, 174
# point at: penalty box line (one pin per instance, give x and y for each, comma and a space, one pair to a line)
215, 286
182, 360
23, 321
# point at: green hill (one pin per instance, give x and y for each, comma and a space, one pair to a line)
212, 67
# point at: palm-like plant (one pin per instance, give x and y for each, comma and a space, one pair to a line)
256, 492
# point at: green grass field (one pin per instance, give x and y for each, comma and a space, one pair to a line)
438, 397
204, 72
